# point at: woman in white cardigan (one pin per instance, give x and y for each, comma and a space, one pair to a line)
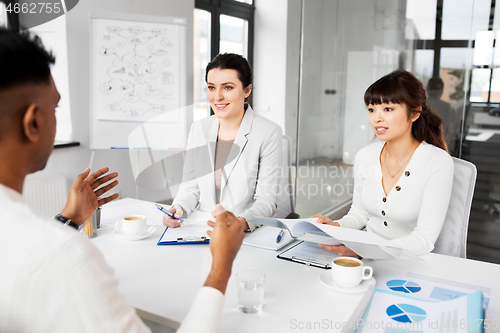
402, 184
233, 157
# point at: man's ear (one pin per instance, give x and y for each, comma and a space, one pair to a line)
31, 126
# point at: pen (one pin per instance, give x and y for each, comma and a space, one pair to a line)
278, 238
163, 210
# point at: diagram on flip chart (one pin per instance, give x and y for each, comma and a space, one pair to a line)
136, 70
138, 81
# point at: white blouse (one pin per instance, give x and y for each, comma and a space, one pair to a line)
413, 212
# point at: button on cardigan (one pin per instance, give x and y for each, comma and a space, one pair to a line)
414, 210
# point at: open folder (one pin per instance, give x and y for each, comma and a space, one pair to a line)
366, 244
192, 231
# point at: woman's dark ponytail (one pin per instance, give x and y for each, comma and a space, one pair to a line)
429, 128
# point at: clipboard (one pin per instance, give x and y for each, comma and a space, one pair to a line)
190, 234
310, 254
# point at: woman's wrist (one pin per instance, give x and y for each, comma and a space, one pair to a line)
177, 208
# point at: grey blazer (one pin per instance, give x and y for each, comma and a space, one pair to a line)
250, 176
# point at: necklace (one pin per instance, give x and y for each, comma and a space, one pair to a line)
387, 168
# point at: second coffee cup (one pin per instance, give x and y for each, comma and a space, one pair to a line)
348, 272
133, 225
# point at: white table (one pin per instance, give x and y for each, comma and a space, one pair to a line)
162, 281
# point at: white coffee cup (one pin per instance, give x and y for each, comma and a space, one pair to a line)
133, 225
348, 272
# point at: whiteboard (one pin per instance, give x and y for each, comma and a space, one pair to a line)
138, 82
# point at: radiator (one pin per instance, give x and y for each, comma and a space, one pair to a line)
46, 196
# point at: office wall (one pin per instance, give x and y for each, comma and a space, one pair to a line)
72, 161
270, 55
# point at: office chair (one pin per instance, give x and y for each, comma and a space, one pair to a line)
285, 207
452, 240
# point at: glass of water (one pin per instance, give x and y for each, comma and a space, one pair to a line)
250, 290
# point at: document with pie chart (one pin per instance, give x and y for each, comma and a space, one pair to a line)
393, 312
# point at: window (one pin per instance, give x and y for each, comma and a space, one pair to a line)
423, 16
8, 19
219, 26
201, 51
485, 86
53, 35
457, 22
233, 35
3, 15
231, 26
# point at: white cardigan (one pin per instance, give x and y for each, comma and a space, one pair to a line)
413, 212
250, 176
53, 279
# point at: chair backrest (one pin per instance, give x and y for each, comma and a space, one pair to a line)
284, 202
453, 238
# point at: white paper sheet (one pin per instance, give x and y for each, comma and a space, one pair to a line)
186, 233
265, 238
194, 228
198, 217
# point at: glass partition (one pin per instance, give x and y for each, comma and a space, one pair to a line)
347, 45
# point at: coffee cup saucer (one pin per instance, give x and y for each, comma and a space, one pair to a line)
327, 280
124, 236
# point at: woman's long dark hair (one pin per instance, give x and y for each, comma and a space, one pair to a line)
402, 87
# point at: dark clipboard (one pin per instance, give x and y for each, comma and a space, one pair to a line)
182, 241
308, 260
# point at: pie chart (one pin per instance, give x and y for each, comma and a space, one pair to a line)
406, 313
404, 286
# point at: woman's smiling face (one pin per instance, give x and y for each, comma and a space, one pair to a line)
390, 121
226, 93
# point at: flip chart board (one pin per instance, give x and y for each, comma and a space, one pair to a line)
138, 82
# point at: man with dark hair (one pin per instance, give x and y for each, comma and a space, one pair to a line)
53, 279
435, 89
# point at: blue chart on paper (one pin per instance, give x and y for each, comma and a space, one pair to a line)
404, 286
406, 313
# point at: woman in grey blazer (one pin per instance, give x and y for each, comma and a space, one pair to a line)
233, 157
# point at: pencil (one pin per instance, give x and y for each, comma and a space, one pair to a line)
87, 228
